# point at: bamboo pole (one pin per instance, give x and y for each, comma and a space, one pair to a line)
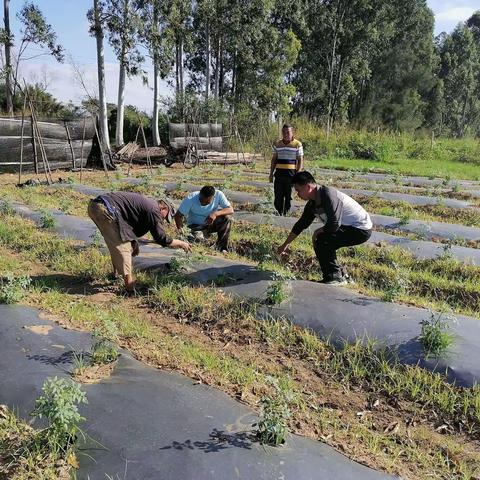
81, 149
131, 154
21, 140
69, 140
34, 145
100, 147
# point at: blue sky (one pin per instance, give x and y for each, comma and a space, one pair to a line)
68, 18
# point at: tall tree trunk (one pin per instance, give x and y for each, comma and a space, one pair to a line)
234, 74
207, 61
155, 131
121, 100
119, 141
221, 80
102, 97
216, 80
180, 65
8, 57
177, 70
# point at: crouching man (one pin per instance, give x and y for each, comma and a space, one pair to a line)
346, 223
205, 212
123, 217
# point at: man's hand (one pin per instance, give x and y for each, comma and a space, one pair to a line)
270, 178
184, 246
135, 248
281, 250
316, 233
211, 218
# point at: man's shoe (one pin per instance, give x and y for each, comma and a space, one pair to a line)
334, 281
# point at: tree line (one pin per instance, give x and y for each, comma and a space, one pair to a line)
365, 63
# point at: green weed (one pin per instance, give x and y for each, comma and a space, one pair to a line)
47, 220
13, 288
435, 336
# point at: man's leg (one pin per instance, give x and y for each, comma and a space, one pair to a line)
120, 252
222, 226
287, 195
278, 190
327, 244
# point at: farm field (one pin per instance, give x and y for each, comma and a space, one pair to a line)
349, 367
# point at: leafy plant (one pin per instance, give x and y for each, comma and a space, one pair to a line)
47, 220
272, 428
103, 350
404, 219
277, 291
396, 286
59, 405
435, 336
80, 363
12, 288
96, 238
6, 208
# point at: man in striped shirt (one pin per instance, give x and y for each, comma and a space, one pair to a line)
287, 159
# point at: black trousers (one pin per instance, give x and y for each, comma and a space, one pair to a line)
282, 188
221, 226
327, 244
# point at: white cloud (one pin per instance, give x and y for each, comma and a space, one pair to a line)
63, 83
454, 15
447, 20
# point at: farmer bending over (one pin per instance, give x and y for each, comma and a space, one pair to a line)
123, 217
346, 223
205, 212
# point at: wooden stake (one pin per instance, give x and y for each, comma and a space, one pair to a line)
81, 150
131, 155
21, 141
69, 139
34, 146
101, 149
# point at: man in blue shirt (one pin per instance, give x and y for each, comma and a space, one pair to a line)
205, 212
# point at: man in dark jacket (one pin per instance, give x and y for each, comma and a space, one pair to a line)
123, 217
345, 223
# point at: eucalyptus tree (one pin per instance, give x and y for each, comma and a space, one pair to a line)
96, 16
123, 22
160, 48
460, 67
34, 29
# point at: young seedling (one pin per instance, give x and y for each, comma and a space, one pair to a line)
404, 219
395, 287
6, 208
80, 364
272, 427
103, 350
59, 405
47, 220
96, 238
435, 336
12, 288
277, 290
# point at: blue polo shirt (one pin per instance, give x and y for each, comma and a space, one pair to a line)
195, 213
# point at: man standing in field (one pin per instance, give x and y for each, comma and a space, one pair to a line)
287, 159
346, 223
205, 212
123, 217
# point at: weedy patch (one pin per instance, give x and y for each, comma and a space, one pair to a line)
435, 336
13, 288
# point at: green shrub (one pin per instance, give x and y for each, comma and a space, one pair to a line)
59, 405
435, 337
47, 220
12, 288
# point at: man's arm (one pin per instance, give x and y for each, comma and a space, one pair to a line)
219, 213
273, 164
299, 163
178, 217
300, 158
308, 216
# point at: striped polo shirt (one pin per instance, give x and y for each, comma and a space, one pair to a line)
287, 156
